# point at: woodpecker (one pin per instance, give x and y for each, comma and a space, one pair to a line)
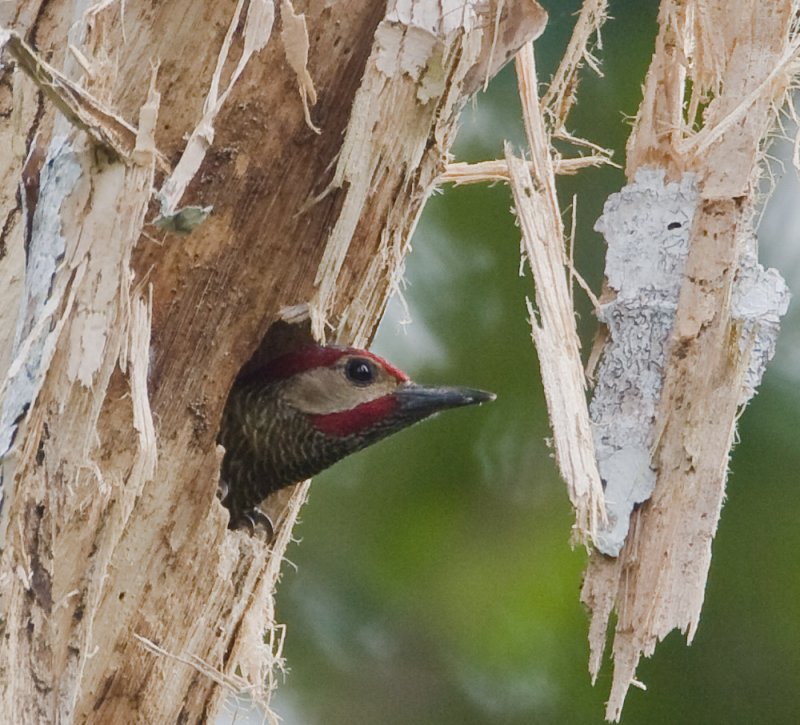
298, 414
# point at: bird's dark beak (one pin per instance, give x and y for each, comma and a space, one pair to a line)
422, 401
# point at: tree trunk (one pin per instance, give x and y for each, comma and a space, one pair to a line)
689, 291
691, 316
316, 132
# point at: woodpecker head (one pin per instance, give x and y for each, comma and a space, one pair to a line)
307, 409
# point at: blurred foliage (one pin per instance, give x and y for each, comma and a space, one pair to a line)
434, 582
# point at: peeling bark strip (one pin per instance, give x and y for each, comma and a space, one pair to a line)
554, 330
428, 58
721, 334
83, 111
125, 598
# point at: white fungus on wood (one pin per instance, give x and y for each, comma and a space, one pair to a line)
647, 226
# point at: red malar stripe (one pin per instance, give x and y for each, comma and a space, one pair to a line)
355, 420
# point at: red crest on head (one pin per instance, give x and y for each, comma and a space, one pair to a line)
316, 356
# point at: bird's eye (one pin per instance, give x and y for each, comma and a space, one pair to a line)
360, 371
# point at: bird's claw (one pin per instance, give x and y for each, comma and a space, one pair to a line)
258, 524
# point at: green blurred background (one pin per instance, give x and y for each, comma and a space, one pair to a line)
434, 582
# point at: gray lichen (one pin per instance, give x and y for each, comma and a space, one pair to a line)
646, 226
46, 250
34, 341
